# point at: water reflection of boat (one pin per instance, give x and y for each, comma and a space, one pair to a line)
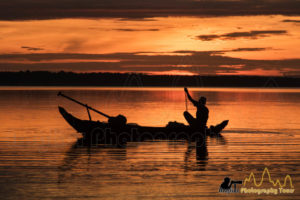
111, 160
103, 132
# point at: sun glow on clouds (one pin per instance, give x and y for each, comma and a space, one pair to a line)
161, 36
174, 72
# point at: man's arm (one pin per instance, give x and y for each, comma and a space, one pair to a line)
189, 96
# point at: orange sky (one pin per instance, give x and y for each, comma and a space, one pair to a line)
258, 45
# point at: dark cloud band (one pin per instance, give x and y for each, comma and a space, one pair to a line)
130, 9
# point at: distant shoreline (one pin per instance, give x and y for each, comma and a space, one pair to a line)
71, 79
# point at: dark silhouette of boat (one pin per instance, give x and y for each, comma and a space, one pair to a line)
104, 132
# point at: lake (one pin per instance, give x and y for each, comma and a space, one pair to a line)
39, 157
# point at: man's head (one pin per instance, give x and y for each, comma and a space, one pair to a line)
226, 180
202, 100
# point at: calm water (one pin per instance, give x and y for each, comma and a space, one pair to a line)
39, 158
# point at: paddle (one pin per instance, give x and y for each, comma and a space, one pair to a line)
186, 102
186, 98
118, 120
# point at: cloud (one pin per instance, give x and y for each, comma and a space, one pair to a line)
137, 9
129, 29
253, 34
74, 44
249, 49
208, 37
235, 35
291, 20
32, 48
196, 62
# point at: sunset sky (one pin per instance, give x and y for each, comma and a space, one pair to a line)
206, 37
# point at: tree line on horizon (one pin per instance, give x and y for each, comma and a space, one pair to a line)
46, 78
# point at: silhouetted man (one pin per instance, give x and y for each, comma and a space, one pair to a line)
226, 185
201, 114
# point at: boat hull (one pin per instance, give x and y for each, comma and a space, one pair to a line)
101, 132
